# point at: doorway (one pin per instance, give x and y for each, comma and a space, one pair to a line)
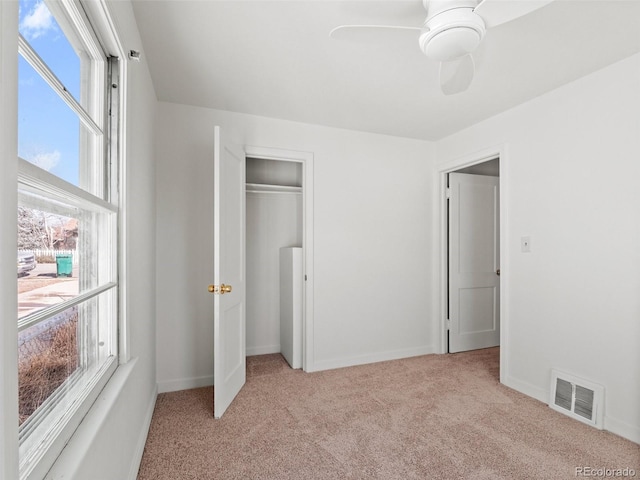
472, 256
278, 223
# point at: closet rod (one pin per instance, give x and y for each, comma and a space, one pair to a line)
263, 188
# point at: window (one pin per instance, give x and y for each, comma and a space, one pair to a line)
67, 222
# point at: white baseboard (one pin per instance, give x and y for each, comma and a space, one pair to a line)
613, 425
624, 429
263, 350
184, 383
372, 358
528, 389
177, 384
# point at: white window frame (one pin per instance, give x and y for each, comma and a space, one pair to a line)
70, 14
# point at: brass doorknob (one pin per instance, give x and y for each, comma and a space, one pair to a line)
222, 289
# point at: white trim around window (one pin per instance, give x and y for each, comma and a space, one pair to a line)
99, 201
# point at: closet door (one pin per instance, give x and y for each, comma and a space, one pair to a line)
229, 273
474, 262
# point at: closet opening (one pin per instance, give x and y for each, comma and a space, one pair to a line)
275, 258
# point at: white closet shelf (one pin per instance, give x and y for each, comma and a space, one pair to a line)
264, 188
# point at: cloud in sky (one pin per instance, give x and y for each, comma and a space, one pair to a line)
45, 160
37, 22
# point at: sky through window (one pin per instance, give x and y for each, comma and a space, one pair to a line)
48, 130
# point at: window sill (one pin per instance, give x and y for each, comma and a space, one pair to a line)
72, 456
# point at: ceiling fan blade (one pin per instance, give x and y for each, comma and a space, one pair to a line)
456, 75
496, 12
374, 33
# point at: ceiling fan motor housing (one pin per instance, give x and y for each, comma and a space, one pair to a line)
451, 34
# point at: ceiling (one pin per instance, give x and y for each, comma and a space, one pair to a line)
275, 59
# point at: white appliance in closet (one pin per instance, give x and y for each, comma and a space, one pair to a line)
274, 210
291, 305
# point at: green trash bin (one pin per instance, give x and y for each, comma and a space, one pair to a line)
64, 265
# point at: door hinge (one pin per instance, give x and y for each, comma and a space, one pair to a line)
448, 324
448, 192
305, 278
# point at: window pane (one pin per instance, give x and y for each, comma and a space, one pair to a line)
48, 130
58, 255
47, 271
47, 356
40, 28
58, 358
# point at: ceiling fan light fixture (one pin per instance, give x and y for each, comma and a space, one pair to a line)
451, 44
452, 34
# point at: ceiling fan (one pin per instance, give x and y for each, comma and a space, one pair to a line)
451, 32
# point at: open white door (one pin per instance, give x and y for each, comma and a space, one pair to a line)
229, 282
474, 262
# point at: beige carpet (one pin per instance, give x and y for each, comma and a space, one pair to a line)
430, 417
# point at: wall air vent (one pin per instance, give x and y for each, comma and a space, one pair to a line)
577, 398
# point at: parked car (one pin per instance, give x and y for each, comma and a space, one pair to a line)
26, 262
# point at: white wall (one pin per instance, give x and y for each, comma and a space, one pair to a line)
373, 205
571, 173
108, 444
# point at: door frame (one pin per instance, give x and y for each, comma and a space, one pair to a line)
444, 168
306, 159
